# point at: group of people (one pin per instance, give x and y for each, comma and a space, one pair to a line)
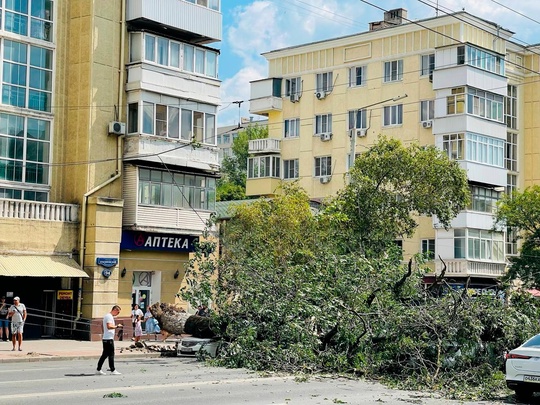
151, 324
16, 313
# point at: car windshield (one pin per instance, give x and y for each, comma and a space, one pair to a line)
532, 342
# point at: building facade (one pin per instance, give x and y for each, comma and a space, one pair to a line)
108, 155
454, 81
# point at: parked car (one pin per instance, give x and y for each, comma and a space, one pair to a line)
192, 345
523, 368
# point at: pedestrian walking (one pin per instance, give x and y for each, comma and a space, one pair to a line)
108, 341
17, 313
4, 322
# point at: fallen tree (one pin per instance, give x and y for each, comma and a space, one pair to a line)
173, 321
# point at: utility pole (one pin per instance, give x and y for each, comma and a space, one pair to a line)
239, 104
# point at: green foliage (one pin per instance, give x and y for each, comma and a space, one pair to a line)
232, 185
292, 292
521, 212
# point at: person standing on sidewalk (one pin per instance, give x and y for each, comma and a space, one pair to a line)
4, 322
108, 340
17, 313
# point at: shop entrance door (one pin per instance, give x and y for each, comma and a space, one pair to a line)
49, 313
142, 289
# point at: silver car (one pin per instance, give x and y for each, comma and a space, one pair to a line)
192, 345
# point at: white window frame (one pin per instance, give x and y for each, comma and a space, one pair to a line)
393, 71
427, 110
323, 166
358, 119
353, 76
325, 82
291, 128
323, 124
393, 115
428, 245
427, 64
293, 86
291, 169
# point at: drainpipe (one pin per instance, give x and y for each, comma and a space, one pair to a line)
119, 153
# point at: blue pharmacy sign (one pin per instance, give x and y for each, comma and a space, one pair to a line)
135, 240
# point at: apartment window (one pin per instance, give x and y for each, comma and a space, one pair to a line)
473, 56
478, 245
511, 183
293, 86
324, 82
455, 104
485, 104
179, 190
30, 18
323, 166
292, 128
25, 145
358, 119
428, 248
483, 199
291, 169
211, 4
454, 146
27, 76
172, 122
357, 76
393, 115
511, 107
485, 149
393, 71
263, 166
510, 156
427, 110
511, 242
428, 64
323, 123
169, 53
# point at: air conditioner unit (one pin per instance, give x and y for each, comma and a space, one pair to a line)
294, 97
426, 124
361, 133
326, 136
325, 179
320, 95
117, 128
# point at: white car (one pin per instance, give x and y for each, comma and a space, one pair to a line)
523, 368
191, 345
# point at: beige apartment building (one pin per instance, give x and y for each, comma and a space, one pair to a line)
455, 81
102, 194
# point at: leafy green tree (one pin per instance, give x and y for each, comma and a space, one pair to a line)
232, 184
520, 211
390, 185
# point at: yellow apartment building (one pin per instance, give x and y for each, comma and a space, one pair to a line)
456, 81
102, 195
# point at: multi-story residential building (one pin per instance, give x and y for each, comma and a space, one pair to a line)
456, 81
227, 134
108, 154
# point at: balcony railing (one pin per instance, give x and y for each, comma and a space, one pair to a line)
42, 211
266, 145
465, 268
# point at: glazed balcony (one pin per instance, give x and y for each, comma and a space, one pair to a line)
196, 21
265, 96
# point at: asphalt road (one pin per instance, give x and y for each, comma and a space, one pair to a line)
186, 381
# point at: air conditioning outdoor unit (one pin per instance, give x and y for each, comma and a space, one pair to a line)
294, 97
117, 128
361, 133
325, 179
326, 136
320, 95
426, 124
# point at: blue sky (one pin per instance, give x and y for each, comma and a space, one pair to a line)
251, 27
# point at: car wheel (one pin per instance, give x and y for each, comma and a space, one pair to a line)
523, 394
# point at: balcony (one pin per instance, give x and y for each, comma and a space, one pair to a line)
265, 96
192, 22
177, 220
264, 146
469, 219
465, 75
466, 268
159, 150
43, 211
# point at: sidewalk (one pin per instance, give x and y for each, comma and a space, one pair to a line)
60, 349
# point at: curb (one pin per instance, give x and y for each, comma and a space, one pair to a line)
82, 357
